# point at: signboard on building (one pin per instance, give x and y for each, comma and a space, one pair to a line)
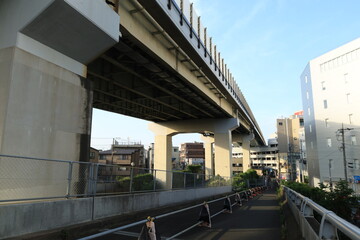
356, 179
299, 113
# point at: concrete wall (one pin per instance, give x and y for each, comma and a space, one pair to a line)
24, 218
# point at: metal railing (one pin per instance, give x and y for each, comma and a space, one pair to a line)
24, 178
245, 195
304, 208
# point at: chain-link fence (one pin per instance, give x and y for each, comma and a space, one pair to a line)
23, 178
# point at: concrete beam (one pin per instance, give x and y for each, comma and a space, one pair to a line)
220, 127
209, 159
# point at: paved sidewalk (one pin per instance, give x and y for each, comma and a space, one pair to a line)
257, 219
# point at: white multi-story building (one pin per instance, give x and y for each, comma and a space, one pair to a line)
330, 87
261, 158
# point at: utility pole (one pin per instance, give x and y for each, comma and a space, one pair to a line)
330, 180
342, 131
301, 162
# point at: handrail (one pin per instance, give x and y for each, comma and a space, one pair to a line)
165, 215
344, 226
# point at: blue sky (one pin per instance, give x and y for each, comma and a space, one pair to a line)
266, 44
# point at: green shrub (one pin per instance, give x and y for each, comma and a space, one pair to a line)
339, 200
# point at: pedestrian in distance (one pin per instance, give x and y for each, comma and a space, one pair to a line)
148, 231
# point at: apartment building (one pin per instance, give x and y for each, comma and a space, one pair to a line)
291, 137
264, 158
330, 86
192, 153
124, 156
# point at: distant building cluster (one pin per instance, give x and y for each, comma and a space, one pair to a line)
283, 157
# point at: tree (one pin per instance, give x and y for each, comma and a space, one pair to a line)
193, 168
239, 180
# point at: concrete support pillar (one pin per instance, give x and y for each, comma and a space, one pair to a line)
209, 159
162, 153
45, 109
246, 155
45, 98
162, 159
223, 154
223, 146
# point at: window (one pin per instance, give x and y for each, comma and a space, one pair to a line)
312, 145
325, 104
306, 79
350, 118
309, 111
353, 140
280, 123
328, 140
310, 128
323, 85
357, 164
92, 155
348, 98
327, 122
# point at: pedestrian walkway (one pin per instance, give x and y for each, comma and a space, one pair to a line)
257, 219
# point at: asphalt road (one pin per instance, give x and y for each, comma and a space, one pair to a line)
258, 218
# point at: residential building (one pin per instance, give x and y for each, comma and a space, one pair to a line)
330, 86
290, 145
94, 156
192, 153
124, 156
175, 158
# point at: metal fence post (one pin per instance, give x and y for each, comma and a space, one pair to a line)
90, 180
171, 180
68, 191
195, 180
184, 179
131, 178
154, 179
96, 170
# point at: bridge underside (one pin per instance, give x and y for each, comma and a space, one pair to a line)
129, 81
132, 80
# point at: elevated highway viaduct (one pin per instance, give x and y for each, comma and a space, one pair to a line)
152, 60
